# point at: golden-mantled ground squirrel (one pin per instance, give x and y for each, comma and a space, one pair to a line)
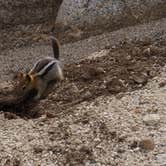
43, 72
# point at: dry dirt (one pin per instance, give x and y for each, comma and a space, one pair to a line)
122, 69
95, 117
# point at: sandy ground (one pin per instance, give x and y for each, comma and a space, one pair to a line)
25, 57
121, 123
102, 132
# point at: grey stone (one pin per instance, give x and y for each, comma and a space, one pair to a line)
114, 14
141, 79
151, 119
161, 159
15, 12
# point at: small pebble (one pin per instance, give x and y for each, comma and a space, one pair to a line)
151, 119
147, 144
161, 158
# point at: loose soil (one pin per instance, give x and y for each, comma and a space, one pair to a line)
95, 116
126, 68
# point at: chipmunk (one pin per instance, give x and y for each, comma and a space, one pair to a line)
42, 73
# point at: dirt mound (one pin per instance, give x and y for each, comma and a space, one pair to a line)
122, 69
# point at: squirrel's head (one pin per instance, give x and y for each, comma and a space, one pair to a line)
23, 81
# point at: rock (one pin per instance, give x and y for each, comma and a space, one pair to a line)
95, 72
87, 95
151, 119
38, 149
120, 150
152, 73
100, 70
27, 12
9, 116
134, 144
161, 159
86, 76
50, 115
136, 51
74, 33
147, 144
114, 85
135, 128
112, 14
141, 79
147, 51
137, 110
162, 84
162, 129
74, 88
6, 87
16, 162
152, 110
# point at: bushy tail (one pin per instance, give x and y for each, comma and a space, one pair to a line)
55, 46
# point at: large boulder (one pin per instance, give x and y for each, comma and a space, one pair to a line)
110, 13
25, 21
16, 12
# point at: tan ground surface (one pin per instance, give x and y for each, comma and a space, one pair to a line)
98, 115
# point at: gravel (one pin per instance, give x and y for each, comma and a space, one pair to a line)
107, 130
